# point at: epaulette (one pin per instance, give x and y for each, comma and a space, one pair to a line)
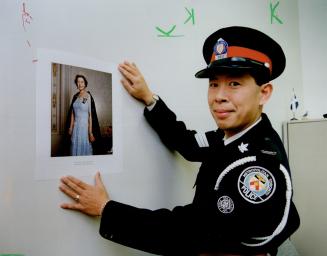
269, 149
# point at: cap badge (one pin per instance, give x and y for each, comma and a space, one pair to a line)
220, 49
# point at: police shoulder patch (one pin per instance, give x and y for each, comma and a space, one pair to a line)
256, 184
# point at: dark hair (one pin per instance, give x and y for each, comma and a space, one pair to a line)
80, 76
260, 76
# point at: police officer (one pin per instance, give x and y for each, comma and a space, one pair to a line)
243, 199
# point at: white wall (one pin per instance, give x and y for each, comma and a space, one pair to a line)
31, 221
313, 42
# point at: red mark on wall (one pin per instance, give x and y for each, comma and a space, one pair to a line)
27, 20
26, 17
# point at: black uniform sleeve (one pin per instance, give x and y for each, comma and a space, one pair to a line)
185, 230
174, 134
162, 231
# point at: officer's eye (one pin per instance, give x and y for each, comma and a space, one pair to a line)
234, 83
213, 84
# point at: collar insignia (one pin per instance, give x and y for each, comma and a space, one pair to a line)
243, 147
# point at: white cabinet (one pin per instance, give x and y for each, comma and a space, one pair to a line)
306, 144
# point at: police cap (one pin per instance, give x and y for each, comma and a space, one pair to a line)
244, 49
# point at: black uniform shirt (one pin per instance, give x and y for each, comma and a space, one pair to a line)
243, 199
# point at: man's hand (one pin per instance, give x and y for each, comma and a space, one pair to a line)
88, 199
134, 82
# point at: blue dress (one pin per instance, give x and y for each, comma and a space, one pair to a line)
80, 144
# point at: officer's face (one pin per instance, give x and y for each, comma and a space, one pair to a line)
236, 101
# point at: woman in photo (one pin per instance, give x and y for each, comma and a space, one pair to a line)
83, 123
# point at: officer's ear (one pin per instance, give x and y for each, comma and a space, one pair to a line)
265, 93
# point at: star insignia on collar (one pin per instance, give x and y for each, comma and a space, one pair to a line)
243, 147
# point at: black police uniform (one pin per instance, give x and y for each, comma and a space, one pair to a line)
243, 199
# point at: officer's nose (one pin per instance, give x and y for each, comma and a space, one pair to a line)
221, 93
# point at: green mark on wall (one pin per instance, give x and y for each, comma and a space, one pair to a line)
10, 254
191, 16
169, 33
273, 15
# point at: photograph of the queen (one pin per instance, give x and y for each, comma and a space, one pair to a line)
81, 111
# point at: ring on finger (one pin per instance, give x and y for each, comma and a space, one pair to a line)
76, 198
